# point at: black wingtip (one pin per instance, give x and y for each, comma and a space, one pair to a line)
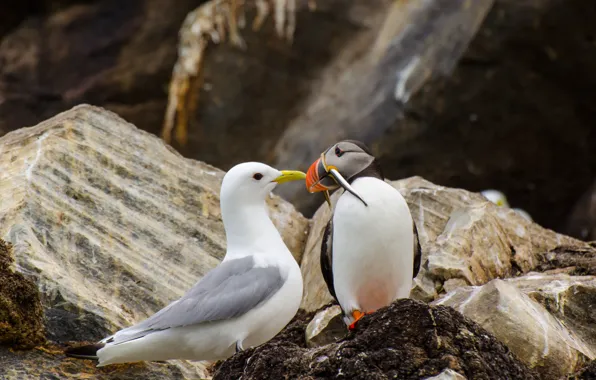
84, 352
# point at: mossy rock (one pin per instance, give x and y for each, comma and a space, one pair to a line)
21, 314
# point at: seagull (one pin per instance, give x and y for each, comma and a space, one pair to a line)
498, 198
370, 250
243, 302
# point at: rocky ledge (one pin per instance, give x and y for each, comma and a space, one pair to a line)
407, 340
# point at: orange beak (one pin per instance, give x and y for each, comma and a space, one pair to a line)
313, 180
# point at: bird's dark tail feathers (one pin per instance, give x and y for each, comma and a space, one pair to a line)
84, 352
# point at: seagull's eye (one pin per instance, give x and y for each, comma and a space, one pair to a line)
338, 152
257, 176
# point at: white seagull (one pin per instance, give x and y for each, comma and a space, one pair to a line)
243, 302
370, 251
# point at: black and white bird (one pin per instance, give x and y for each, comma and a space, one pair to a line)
243, 302
370, 251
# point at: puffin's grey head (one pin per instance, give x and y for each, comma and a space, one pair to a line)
338, 165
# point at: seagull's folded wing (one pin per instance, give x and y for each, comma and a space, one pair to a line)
228, 291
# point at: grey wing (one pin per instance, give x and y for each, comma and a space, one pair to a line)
327, 257
230, 290
417, 251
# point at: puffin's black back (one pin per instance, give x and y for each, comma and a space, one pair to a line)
327, 257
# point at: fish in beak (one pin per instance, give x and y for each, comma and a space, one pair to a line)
320, 177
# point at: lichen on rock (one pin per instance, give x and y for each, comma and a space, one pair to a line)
21, 314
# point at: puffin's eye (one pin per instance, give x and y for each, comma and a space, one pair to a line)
338, 152
257, 176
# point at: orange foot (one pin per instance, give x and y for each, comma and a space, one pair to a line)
357, 315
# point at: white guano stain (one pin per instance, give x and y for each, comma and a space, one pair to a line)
29, 171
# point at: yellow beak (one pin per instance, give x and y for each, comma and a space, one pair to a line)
290, 175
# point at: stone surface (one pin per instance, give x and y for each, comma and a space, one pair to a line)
514, 98
522, 324
415, 41
453, 225
48, 362
110, 222
407, 340
107, 53
327, 326
582, 220
570, 299
586, 373
241, 101
448, 374
21, 314
516, 95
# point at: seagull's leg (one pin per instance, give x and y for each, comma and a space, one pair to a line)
239, 347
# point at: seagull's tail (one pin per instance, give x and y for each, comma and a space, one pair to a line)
84, 352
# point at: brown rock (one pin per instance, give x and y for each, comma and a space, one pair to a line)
327, 326
407, 340
514, 98
108, 53
21, 314
523, 325
112, 224
586, 373
370, 82
582, 220
570, 299
448, 374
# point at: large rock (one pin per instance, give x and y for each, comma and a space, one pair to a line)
454, 226
111, 223
534, 335
407, 340
114, 54
586, 373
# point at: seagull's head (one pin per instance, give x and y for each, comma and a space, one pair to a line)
496, 197
254, 181
338, 165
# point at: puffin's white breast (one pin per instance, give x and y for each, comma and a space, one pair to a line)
373, 247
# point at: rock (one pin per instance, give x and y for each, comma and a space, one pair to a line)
246, 98
586, 373
327, 326
369, 93
108, 53
454, 130
570, 299
407, 340
581, 223
21, 314
453, 225
536, 335
48, 362
111, 223
448, 374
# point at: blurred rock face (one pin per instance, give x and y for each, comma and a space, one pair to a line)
510, 113
582, 220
